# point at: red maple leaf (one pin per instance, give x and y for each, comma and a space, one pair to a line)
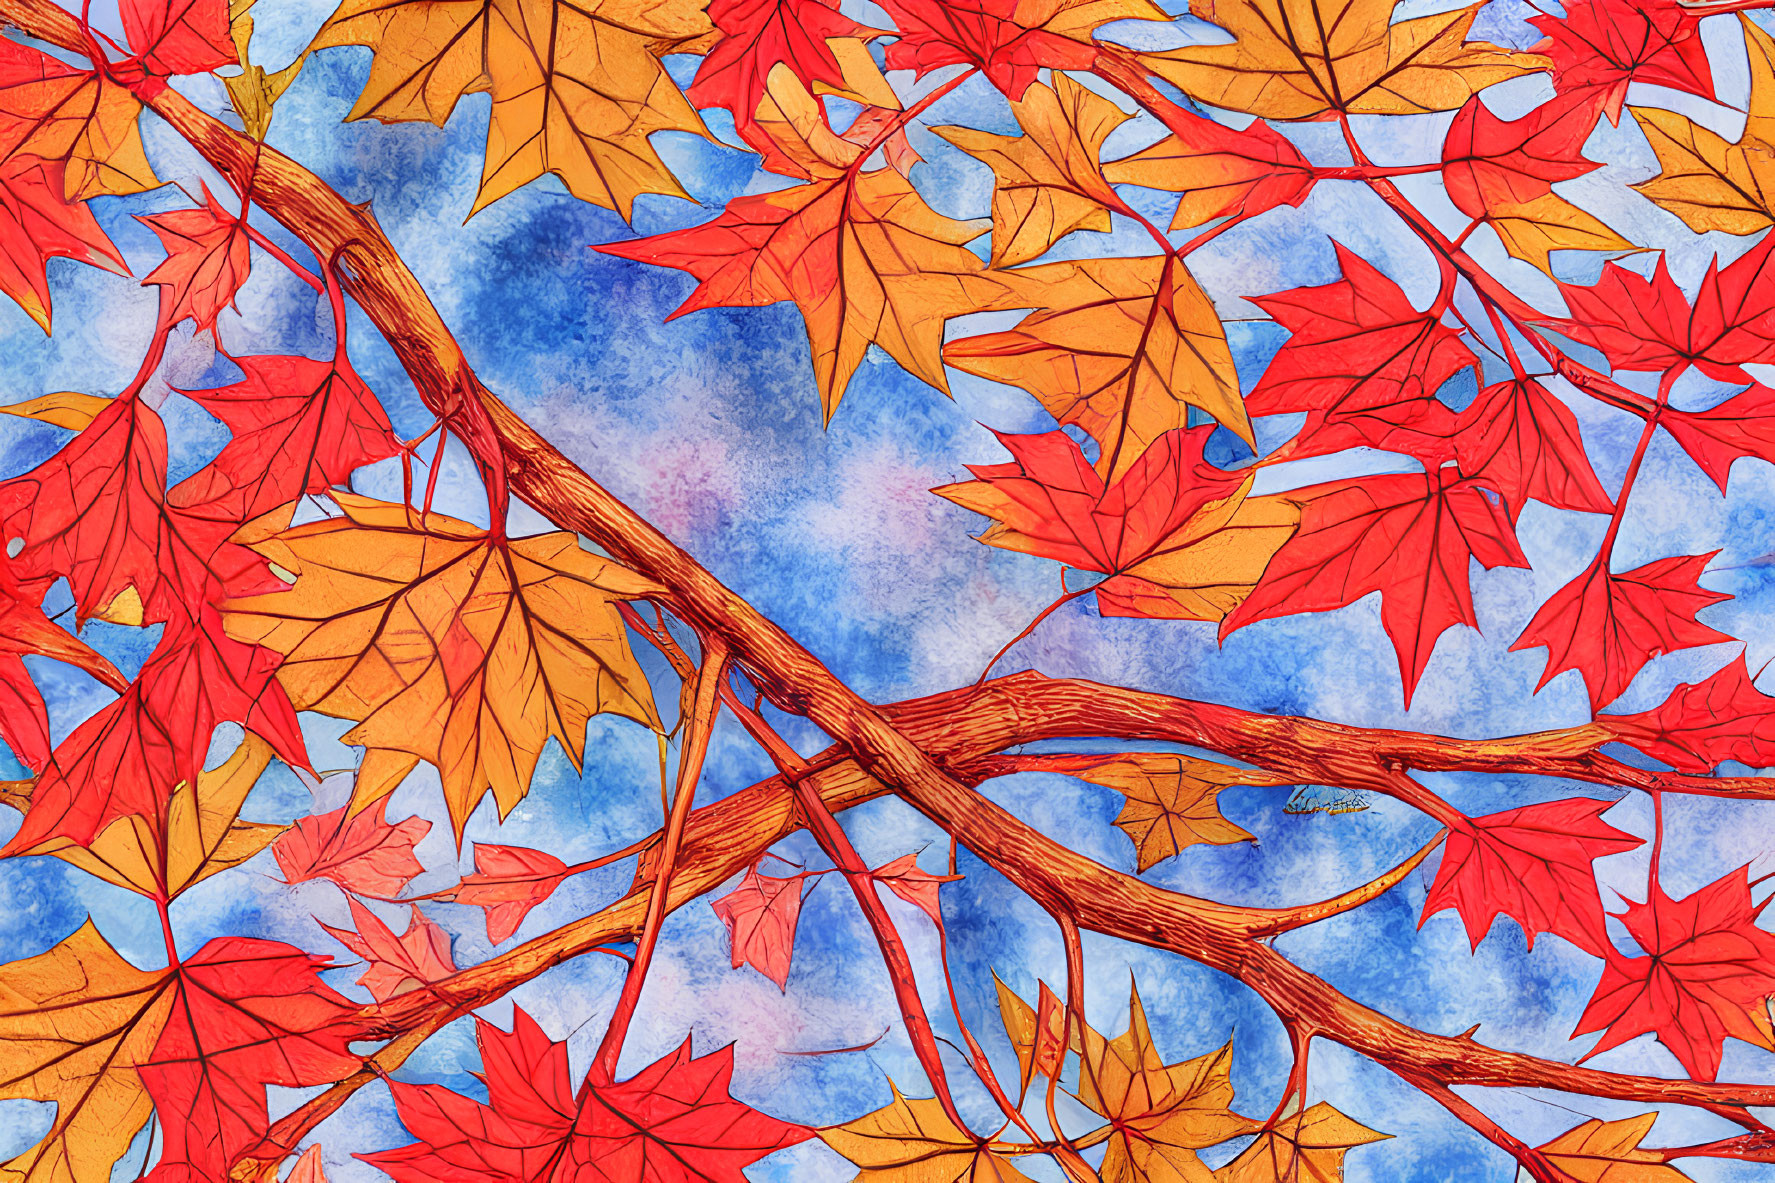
1519, 438
1221, 171
761, 914
916, 886
1056, 504
508, 882
1488, 162
97, 513
26, 632
364, 853
1600, 46
1647, 324
755, 37
1743, 425
1409, 536
1708, 967
1360, 353
672, 1122
247, 1013
179, 36
1703, 724
93, 512
417, 957
1608, 626
38, 224
299, 426
994, 36
129, 757
208, 257
1532, 864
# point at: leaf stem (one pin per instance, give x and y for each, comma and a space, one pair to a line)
690, 768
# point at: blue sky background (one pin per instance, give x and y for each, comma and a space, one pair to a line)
709, 426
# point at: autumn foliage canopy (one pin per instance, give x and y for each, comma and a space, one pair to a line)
271, 590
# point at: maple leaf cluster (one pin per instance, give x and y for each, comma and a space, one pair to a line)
278, 590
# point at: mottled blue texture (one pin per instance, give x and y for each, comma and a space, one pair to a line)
710, 427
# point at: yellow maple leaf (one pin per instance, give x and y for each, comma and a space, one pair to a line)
796, 123
1172, 800
1205, 576
577, 89
1048, 181
1609, 1152
1300, 59
913, 1141
1304, 1147
86, 119
1037, 1036
75, 1023
1707, 181
203, 832
447, 644
1162, 1113
1121, 348
1532, 230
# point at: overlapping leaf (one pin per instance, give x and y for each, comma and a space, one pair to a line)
1009, 41
1047, 181
1642, 324
1363, 362
1504, 171
108, 1042
1121, 348
1411, 537
447, 644
675, 1111
202, 832
824, 49
576, 90
299, 426
1305, 1147
1220, 172
1704, 180
1038, 1034
1520, 439
1162, 1113
247, 1014
1304, 59
859, 252
1049, 501
914, 1141
82, 120
1599, 47
396, 963
129, 758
